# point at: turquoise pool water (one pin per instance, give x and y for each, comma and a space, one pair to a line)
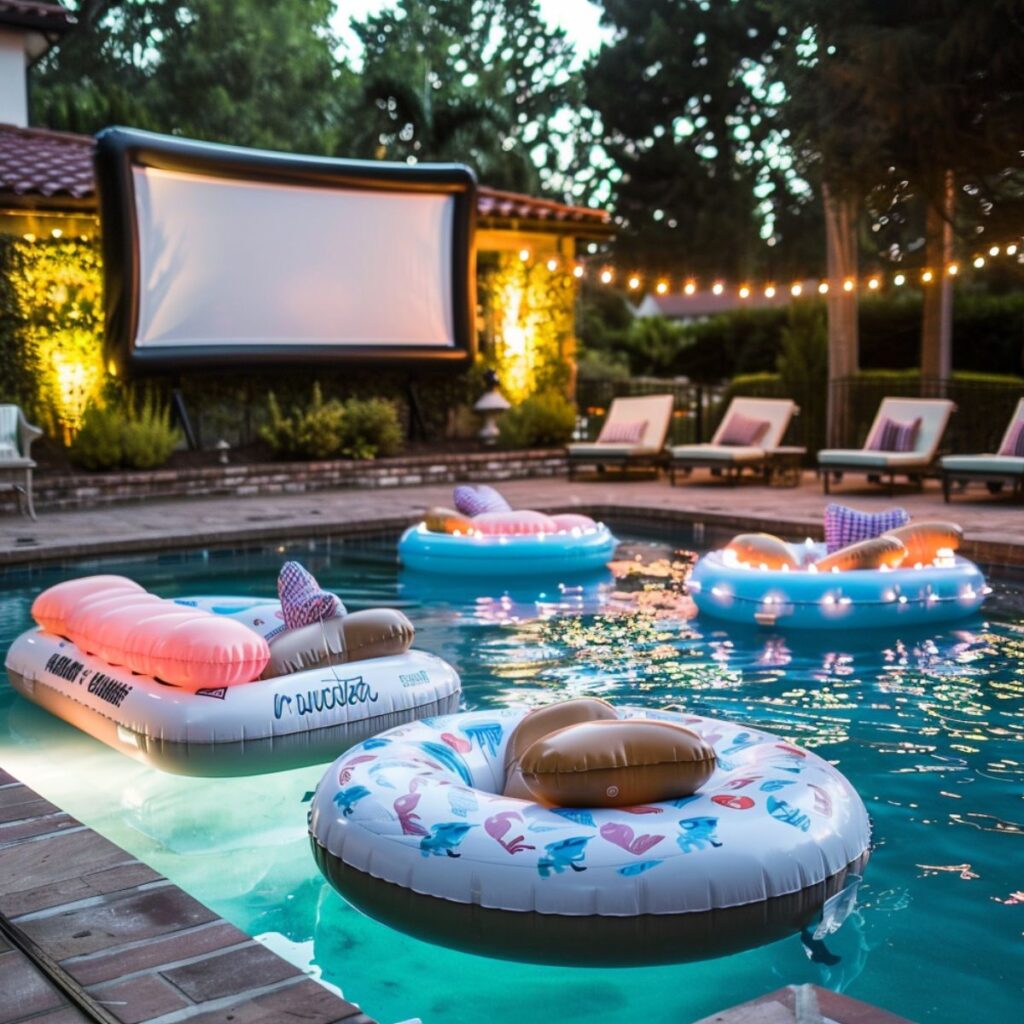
927, 726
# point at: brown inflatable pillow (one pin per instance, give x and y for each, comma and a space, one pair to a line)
540, 722
924, 540
866, 554
617, 764
372, 633
759, 549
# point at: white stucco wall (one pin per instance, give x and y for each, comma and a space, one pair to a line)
13, 97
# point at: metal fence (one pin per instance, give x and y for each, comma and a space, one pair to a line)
697, 407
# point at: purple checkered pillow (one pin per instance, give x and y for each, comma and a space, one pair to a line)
631, 432
302, 600
1014, 443
895, 435
743, 431
471, 501
848, 526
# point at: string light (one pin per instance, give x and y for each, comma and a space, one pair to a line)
744, 292
823, 288
899, 280
994, 251
796, 290
769, 292
848, 285
661, 287
953, 269
926, 277
524, 254
552, 265
577, 271
606, 277
1011, 250
691, 287
634, 283
873, 283
979, 262
718, 288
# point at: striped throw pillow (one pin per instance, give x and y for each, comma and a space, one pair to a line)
743, 431
1014, 443
631, 432
845, 525
895, 435
472, 501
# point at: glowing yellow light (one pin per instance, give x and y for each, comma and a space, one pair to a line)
606, 277
634, 283
690, 287
953, 269
524, 254
661, 287
718, 288
29, 237
796, 289
994, 251
552, 265
873, 283
927, 277
577, 271
979, 262
1011, 250
848, 285
56, 233
823, 288
769, 292
744, 292
899, 280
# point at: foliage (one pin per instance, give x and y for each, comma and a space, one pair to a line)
123, 434
543, 420
598, 364
653, 345
354, 428
51, 323
248, 72
478, 81
529, 312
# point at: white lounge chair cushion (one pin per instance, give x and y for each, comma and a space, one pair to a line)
856, 458
716, 452
587, 449
983, 463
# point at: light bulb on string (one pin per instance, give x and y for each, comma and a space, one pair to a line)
769, 292
927, 276
953, 269
718, 288
690, 287
848, 285
899, 280
552, 265
1011, 250
524, 254
661, 287
873, 283
979, 262
577, 271
994, 250
796, 289
606, 276
823, 288
744, 292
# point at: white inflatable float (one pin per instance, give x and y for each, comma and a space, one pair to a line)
418, 827
907, 576
221, 686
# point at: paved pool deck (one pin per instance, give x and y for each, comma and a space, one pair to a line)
994, 527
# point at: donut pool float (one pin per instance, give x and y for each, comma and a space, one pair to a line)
881, 582
218, 686
413, 828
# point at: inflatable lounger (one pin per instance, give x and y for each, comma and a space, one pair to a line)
181, 688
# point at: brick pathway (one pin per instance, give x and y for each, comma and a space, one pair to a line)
995, 528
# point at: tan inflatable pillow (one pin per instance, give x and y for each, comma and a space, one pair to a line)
617, 764
372, 633
540, 722
923, 540
759, 549
866, 554
446, 520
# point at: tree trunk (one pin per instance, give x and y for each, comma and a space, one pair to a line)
937, 308
843, 354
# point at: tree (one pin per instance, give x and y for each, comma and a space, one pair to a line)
479, 81
699, 172
248, 72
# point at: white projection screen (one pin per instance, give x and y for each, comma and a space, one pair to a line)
216, 255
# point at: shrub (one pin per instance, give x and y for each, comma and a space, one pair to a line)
542, 420
356, 428
99, 443
122, 435
147, 435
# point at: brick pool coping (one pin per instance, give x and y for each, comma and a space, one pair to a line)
87, 933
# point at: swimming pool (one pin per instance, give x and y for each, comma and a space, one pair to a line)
928, 726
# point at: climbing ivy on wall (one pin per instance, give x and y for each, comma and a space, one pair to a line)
529, 319
51, 324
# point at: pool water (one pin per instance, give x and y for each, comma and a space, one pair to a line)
928, 727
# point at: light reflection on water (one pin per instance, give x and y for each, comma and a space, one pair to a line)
926, 725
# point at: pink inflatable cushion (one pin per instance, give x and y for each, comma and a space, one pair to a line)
51, 608
573, 521
188, 647
518, 523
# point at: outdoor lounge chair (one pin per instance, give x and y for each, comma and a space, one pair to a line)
16, 437
916, 423
767, 419
633, 434
996, 470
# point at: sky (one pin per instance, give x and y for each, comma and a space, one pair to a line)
580, 19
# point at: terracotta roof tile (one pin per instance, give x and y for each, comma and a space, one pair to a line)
35, 162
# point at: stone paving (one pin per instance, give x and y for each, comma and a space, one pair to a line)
994, 526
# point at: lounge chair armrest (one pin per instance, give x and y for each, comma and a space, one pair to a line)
27, 433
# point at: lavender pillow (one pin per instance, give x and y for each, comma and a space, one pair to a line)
471, 501
848, 526
623, 433
743, 431
302, 600
1014, 444
895, 435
